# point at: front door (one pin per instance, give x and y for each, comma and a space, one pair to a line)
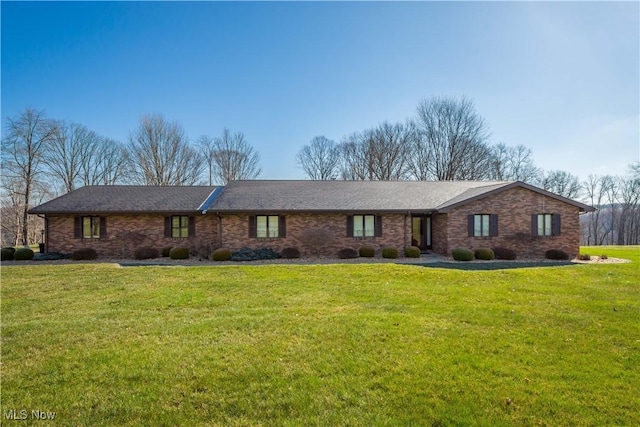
421, 232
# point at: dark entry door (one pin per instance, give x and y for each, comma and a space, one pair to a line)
421, 232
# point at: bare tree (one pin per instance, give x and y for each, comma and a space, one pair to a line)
22, 150
628, 232
617, 218
107, 164
234, 158
320, 160
381, 153
391, 147
207, 148
71, 146
160, 154
453, 137
592, 198
420, 156
513, 164
562, 183
356, 161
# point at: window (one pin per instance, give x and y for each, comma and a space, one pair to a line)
361, 226
267, 226
545, 224
482, 225
90, 227
180, 226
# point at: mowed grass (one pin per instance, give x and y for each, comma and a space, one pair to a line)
354, 345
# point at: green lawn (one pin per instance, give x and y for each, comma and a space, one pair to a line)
356, 345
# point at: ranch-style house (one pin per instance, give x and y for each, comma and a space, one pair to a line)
435, 216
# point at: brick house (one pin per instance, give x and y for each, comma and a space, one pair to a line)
314, 216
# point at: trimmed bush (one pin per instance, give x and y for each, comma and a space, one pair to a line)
504, 253
348, 253
412, 252
462, 254
221, 254
603, 256
10, 248
246, 254
389, 252
146, 253
484, 254
166, 251
556, 254
179, 253
84, 254
7, 255
584, 257
367, 251
290, 253
23, 254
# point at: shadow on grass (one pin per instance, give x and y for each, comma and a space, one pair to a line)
484, 266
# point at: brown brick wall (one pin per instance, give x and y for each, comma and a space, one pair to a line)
514, 208
439, 233
125, 233
395, 232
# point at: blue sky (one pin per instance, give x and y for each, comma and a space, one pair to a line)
559, 77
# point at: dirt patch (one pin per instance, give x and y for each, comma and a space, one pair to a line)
600, 260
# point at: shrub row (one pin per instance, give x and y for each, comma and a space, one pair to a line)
221, 254
19, 254
246, 254
465, 254
22, 254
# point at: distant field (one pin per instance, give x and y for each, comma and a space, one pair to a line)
380, 344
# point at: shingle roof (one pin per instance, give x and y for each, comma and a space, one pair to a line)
283, 196
128, 199
337, 196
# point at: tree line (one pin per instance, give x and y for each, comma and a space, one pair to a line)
445, 140
43, 157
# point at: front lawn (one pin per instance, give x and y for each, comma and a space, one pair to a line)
378, 344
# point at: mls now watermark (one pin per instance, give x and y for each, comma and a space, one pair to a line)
23, 414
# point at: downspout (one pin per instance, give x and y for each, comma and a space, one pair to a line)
46, 232
219, 229
405, 228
